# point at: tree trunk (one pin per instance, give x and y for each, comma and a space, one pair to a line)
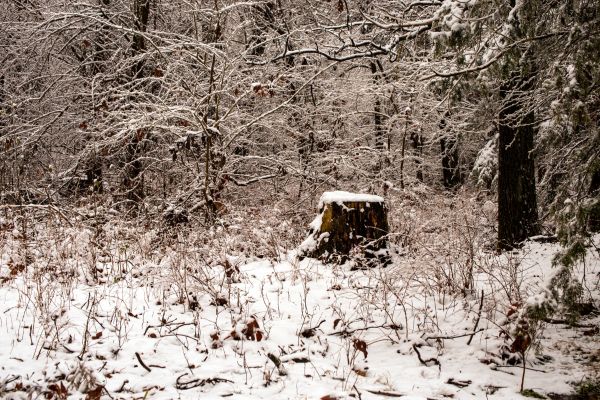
133, 180
141, 9
348, 220
379, 133
594, 213
263, 18
450, 160
450, 165
417, 144
3, 108
517, 203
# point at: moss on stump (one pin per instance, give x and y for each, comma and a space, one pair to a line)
347, 221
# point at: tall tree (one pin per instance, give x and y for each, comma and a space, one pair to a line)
517, 200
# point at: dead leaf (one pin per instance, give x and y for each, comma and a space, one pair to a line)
59, 390
308, 333
360, 345
94, 394
250, 330
336, 322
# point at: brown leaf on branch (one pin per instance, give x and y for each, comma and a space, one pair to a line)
360, 345
252, 330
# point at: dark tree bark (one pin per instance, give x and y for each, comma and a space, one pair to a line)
133, 182
350, 224
264, 18
133, 179
450, 163
93, 176
594, 192
379, 131
517, 202
141, 10
417, 144
2, 106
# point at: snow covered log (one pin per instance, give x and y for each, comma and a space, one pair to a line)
345, 221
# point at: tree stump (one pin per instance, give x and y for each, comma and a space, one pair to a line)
347, 221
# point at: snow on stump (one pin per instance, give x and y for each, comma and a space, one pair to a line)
348, 221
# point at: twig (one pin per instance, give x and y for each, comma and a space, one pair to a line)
87, 323
460, 384
518, 366
477, 320
107, 392
349, 332
139, 358
424, 362
387, 394
455, 336
277, 363
357, 391
194, 383
120, 390
565, 322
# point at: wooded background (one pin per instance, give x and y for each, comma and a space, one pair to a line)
192, 108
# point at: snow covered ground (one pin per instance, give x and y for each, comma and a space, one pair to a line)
112, 323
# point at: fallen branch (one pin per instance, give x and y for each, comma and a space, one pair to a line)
454, 336
565, 322
519, 366
433, 360
460, 384
346, 332
391, 394
139, 358
122, 388
277, 363
387, 394
253, 180
194, 383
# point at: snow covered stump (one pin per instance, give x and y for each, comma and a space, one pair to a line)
347, 221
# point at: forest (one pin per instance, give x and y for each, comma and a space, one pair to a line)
161, 162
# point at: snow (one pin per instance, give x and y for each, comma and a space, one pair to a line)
485, 168
311, 314
452, 14
340, 197
310, 243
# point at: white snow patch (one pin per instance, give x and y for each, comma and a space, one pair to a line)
340, 197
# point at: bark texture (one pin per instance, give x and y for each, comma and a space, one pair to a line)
594, 212
347, 225
517, 204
